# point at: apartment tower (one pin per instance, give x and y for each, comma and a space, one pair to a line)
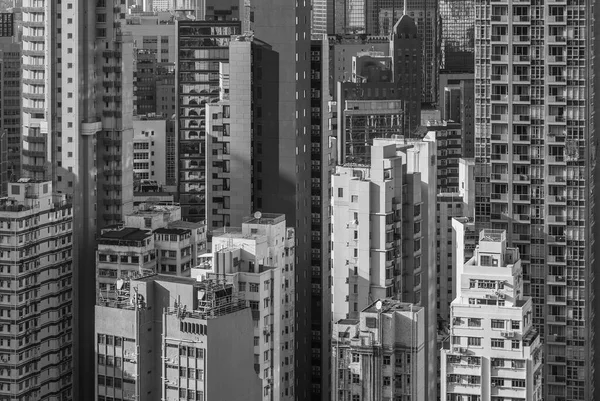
76, 127
37, 304
494, 352
535, 160
286, 139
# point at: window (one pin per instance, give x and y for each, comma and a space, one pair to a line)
497, 382
474, 322
354, 198
355, 357
340, 192
254, 287
518, 383
456, 340
497, 324
355, 378
516, 325
355, 397
242, 286
497, 343
387, 360
516, 344
475, 341
387, 380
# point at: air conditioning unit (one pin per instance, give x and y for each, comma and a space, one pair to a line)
488, 296
501, 296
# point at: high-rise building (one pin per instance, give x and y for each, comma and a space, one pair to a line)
380, 354
322, 164
323, 17
535, 169
71, 93
190, 339
494, 350
286, 144
258, 259
10, 105
37, 311
201, 46
379, 17
457, 50
457, 104
247, 99
394, 255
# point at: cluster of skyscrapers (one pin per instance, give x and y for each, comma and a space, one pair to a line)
312, 200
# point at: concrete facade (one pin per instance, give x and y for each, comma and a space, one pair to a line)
37, 314
381, 354
150, 150
185, 336
494, 350
259, 261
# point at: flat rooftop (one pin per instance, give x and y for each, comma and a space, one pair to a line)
265, 218
126, 234
173, 231
351, 322
392, 305
167, 278
184, 224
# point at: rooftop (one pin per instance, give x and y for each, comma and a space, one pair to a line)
391, 305
348, 321
492, 235
125, 234
185, 224
167, 278
173, 231
264, 218
150, 209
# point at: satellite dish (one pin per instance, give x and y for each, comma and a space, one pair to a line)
378, 305
120, 283
257, 215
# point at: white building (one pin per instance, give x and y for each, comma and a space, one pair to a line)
37, 315
259, 260
494, 351
383, 224
381, 354
150, 150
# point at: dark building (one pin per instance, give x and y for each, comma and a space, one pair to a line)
10, 111
405, 49
7, 27
457, 104
201, 46
286, 176
458, 35
322, 164
144, 90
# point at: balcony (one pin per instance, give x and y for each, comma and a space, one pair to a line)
556, 79
556, 219
499, 177
520, 18
521, 98
500, 38
557, 179
556, 119
556, 60
522, 218
499, 197
521, 198
558, 259
500, 117
521, 158
502, 58
90, 126
520, 118
521, 38
499, 18
556, 239
522, 58
521, 177
499, 78
555, 199
521, 138
555, 99
499, 98
499, 138
559, 159
556, 319
556, 299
